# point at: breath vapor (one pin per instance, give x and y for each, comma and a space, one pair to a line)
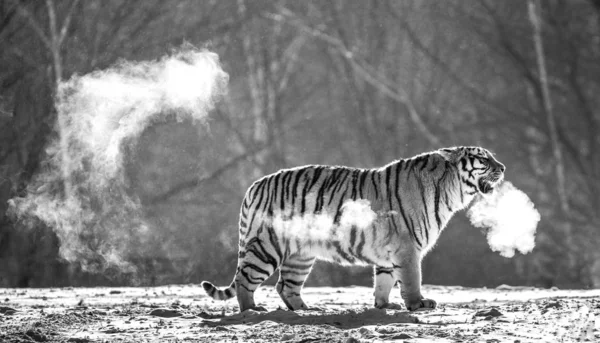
81, 190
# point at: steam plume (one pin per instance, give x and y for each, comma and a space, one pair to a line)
317, 227
98, 223
510, 217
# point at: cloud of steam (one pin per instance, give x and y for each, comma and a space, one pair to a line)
81, 191
510, 217
106, 108
317, 227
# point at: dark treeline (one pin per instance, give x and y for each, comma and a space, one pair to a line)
355, 83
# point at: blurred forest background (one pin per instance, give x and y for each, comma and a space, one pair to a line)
357, 83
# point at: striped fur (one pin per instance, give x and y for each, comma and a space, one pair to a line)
290, 218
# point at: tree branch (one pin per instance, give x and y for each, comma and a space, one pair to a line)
195, 182
365, 71
23, 12
67, 22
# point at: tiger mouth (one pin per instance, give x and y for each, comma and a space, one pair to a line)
487, 185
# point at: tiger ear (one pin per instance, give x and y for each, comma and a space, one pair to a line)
452, 155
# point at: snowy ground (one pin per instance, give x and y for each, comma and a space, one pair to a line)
185, 314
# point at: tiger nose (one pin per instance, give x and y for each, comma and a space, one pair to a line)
502, 167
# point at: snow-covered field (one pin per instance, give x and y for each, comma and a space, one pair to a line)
184, 314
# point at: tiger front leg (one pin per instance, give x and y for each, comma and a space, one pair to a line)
385, 279
410, 288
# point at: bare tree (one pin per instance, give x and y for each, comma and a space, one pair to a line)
52, 38
536, 22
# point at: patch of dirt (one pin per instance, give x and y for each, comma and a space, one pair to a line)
185, 314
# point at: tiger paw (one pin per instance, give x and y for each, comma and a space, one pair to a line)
312, 308
257, 309
391, 306
423, 304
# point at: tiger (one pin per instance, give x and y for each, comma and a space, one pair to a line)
293, 217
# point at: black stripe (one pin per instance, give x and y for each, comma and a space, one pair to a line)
316, 176
294, 282
434, 167
295, 272
401, 164
472, 167
250, 279
363, 177
247, 289
258, 188
321, 194
338, 212
463, 164
273, 194
462, 201
373, 172
303, 259
327, 183
294, 193
274, 242
447, 200
256, 268
289, 175
425, 162
332, 179
469, 183
410, 166
257, 205
380, 270
361, 244
286, 250
263, 255
303, 203
393, 221
388, 186
413, 230
338, 185
252, 245
352, 236
283, 191
423, 198
268, 187
409, 171
297, 265
342, 253
436, 204
355, 174
401, 209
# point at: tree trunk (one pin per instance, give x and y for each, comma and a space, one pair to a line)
535, 18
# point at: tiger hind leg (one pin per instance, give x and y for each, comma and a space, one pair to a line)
292, 274
252, 271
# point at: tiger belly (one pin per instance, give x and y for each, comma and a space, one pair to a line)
358, 237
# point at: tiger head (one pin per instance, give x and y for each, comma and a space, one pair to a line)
477, 167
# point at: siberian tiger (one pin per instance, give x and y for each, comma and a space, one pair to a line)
294, 216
